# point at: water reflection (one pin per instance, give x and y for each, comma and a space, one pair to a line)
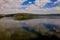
50, 26
35, 26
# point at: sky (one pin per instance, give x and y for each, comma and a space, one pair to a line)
30, 6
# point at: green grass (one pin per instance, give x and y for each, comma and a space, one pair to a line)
20, 35
1, 16
25, 16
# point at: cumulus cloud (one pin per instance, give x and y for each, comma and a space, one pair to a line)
14, 6
41, 2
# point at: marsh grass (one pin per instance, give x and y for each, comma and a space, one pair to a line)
24, 35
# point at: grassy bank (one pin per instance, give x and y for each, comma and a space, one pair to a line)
23, 35
26, 16
1, 16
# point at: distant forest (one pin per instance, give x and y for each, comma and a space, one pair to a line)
24, 16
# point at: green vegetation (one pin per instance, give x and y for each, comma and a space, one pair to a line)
17, 35
24, 35
26, 16
1, 16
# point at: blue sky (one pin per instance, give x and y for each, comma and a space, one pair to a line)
51, 4
47, 5
27, 2
30, 6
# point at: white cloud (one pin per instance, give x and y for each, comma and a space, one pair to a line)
13, 6
41, 2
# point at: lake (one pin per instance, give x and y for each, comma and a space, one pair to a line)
43, 25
